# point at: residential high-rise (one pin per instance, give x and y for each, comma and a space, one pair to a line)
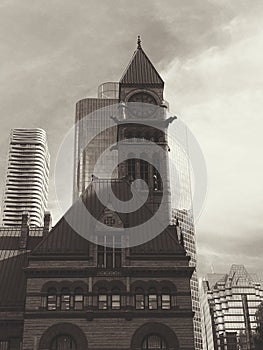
26, 188
228, 304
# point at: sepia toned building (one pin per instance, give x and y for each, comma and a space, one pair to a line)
27, 177
229, 303
82, 285
185, 221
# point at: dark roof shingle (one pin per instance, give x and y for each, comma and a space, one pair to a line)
141, 70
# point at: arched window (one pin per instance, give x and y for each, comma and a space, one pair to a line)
63, 342
154, 342
166, 298
65, 299
139, 299
102, 299
166, 301
115, 299
52, 299
78, 299
152, 299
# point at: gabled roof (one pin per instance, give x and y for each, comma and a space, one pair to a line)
63, 240
165, 243
141, 70
13, 281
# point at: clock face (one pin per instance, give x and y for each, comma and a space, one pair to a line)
144, 106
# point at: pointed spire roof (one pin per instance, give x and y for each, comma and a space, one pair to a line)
140, 70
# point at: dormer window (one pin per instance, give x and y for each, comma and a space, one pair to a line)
109, 221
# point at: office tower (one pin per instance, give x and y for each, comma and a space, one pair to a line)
26, 188
89, 289
88, 151
187, 230
229, 303
182, 211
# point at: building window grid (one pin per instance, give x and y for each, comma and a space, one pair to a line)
67, 301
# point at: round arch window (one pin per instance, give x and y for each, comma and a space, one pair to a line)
63, 342
154, 342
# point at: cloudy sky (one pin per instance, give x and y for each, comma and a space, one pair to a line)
210, 54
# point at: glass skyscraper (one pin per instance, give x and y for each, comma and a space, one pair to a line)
186, 223
229, 303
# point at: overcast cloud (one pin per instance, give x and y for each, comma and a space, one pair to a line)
210, 54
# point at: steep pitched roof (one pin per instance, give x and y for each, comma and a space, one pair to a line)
62, 239
165, 243
13, 281
140, 70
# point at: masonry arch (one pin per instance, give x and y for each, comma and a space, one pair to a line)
63, 336
165, 337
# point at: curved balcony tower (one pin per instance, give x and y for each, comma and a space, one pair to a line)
26, 188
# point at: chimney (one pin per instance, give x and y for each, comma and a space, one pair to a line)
47, 223
24, 231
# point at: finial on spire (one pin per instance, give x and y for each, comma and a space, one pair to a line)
139, 42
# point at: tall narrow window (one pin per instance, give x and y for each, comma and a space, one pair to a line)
152, 302
102, 300
154, 342
139, 301
115, 300
144, 171
131, 166
117, 252
166, 301
157, 181
78, 299
65, 299
109, 251
101, 258
52, 299
4, 345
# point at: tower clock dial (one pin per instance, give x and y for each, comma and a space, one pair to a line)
145, 104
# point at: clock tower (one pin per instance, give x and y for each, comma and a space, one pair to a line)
143, 124
141, 82
87, 286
